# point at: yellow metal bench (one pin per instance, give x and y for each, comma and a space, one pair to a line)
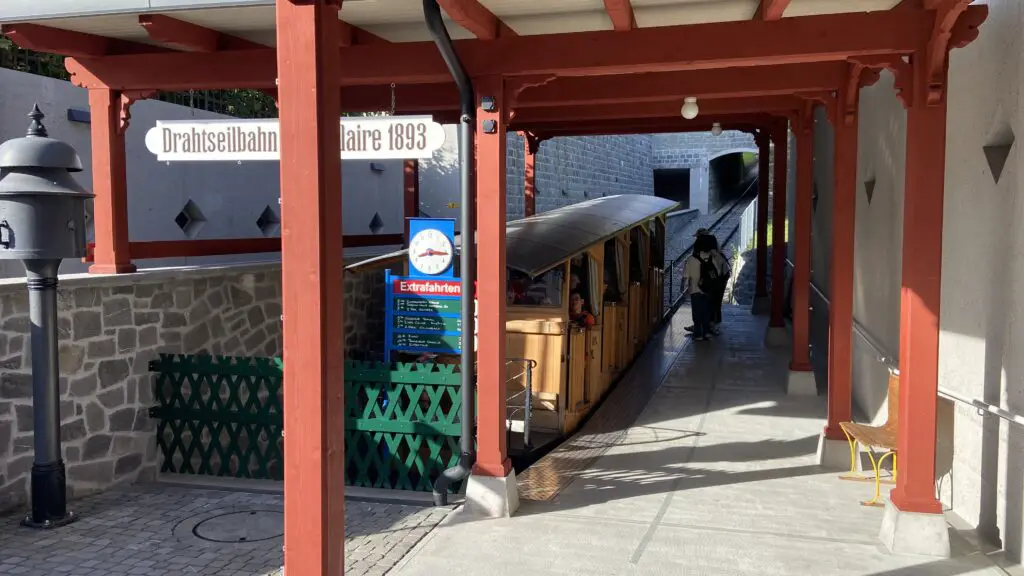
881, 438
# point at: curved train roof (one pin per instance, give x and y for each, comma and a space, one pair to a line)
538, 243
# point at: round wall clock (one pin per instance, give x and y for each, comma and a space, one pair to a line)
430, 252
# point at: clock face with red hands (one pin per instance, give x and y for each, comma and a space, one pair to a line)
430, 252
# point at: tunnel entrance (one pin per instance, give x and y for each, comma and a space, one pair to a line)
728, 175
673, 184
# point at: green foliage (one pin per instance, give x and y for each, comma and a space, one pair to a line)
240, 103
14, 58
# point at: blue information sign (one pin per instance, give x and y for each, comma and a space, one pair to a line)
423, 310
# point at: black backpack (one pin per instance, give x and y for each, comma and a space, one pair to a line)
709, 280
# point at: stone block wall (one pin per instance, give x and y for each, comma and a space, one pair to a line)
110, 327
689, 149
576, 169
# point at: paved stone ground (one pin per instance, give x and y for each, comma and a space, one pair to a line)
152, 530
717, 477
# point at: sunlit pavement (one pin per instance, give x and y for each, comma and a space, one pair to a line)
717, 476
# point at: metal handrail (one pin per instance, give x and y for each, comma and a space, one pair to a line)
892, 363
527, 393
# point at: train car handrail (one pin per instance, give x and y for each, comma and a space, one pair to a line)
527, 393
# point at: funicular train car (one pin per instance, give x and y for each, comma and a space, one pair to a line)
585, 289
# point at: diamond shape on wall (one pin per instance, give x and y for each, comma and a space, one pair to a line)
190, 219
268, 222
869, 189
998, 151
376, 223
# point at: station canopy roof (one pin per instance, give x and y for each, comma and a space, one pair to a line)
536, 244
402, 20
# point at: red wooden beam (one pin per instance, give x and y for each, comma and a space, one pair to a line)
623, 89
475, 17
192, 37
70, 43
657, 86
177, 71
354, 35
534, 120
771, 9
654, 126
312, 287
669, 48
689, 47
621, 13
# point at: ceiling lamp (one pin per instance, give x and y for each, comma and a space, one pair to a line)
716, 129
690, 108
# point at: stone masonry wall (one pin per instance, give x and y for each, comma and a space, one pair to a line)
576, 169
110, 327
690, 149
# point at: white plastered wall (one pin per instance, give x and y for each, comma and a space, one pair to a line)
981, 352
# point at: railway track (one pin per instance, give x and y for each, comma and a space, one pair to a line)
725, 226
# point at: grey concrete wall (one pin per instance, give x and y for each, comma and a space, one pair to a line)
230, 195
980, 458
110, 327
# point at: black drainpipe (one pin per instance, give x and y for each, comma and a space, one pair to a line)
467, 119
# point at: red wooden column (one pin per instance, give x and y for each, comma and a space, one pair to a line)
780, 135
919, 298
109, 183
492, 451
844, 213
308, 64
412, 193
531, 144
763, 179
804, 212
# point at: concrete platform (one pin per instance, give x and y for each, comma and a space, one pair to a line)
717, 476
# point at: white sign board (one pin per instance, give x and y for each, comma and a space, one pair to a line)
362, 138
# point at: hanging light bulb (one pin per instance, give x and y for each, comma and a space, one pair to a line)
716, 129
690, 108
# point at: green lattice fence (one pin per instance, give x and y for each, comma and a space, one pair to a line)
222, 416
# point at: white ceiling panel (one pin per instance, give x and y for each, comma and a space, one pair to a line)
402, 20
818, 7
123, 26
650, 13
413, 32
506, 8
559, 23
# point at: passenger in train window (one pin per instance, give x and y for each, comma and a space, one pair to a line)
578, 315
518, 284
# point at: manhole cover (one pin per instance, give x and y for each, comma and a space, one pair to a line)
234, 527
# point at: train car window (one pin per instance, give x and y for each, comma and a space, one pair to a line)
657, 252
637, 267
596, 290
613, 287
620, 265
543, 290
